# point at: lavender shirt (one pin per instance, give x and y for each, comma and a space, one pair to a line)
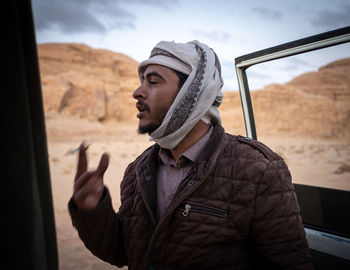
171, 173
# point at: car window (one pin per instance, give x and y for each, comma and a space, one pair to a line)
306, 116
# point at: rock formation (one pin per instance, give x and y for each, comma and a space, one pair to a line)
97, 85
314, 104
88, 83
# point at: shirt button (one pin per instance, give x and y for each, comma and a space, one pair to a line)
190, 183
148, 178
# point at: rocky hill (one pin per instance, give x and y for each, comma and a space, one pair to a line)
314, 104
88, 83
97, 85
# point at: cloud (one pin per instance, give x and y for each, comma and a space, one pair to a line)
228, 64
220, 36
294, 63
158, 3
333, 18
267, 13
80, 16
258, 75
76, 16
229, 74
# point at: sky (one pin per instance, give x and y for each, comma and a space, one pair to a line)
231, 27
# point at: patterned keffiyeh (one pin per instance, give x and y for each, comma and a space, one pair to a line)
199, 97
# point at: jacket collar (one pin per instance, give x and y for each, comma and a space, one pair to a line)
146, 172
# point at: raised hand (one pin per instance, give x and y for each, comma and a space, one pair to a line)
88, 185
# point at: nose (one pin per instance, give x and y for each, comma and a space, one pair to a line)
139, 93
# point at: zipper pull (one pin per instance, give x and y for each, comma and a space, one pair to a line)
187, 209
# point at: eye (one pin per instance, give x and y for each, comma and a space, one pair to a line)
153, 82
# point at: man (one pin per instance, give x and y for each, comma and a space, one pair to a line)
198, 198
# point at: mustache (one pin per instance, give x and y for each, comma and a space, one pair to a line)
143, 104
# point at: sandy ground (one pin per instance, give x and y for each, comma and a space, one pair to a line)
311, 162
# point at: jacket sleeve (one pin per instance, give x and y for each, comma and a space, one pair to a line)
277, 231
100, 229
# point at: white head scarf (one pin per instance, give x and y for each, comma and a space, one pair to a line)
199, 97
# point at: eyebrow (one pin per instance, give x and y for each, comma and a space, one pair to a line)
153, 73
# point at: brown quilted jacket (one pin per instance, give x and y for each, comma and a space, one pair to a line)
235, 210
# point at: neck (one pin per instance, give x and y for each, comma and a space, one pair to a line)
195, 134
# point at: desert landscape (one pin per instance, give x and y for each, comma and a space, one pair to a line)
87, 96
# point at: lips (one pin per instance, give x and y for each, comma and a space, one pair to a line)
142, 108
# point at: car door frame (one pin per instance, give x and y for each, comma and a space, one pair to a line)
325, 211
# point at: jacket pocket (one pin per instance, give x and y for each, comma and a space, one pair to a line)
187, 207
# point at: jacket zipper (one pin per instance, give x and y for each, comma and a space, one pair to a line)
188, 207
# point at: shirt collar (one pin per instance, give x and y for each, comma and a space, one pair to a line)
189, 156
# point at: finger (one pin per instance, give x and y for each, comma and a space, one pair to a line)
83, 179
88, 176
103, 165
89, 193
90, 202
82, 161
92, 188
80, 193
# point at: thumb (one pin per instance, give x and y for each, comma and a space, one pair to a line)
103, 165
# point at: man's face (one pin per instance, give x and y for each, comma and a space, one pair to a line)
155, 95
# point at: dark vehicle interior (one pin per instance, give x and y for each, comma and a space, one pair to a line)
28, 224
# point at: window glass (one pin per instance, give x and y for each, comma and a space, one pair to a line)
302, 111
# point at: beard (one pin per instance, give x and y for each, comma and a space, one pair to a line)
148, 128
156, 123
